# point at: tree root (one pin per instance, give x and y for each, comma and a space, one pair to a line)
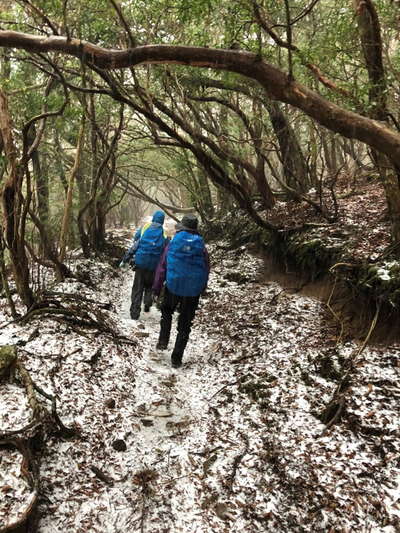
74, 316
30, 471
336, 407
64, 430
236, 463
102, 476
29, 439
77, 311
333, 413
225, 386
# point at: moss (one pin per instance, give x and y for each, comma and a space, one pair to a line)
8, 356
394, 298
305, 251
311, 252
237, 228
381, 280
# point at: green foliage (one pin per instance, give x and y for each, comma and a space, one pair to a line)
192, 11
326, 36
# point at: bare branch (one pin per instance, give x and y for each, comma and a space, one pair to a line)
36, 11
122, 19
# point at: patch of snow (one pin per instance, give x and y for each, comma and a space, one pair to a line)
232, 440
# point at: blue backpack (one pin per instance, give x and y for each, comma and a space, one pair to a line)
187, 272
151, 245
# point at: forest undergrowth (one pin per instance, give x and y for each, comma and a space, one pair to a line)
270, 425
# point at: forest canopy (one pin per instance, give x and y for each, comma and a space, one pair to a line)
106, 106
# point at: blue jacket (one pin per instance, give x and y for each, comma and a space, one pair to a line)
148, 244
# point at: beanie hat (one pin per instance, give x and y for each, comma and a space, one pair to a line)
189, 222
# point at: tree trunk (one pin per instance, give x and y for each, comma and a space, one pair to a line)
371, 42
263, 186
69, 196
295, 169
41, 180
83, 195
4, 278
58, 160
205, 193
12, 201
390, 179
99, 229
325, 142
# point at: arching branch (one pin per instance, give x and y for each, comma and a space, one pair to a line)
274, 81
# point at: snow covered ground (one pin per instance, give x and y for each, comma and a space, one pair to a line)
232, 441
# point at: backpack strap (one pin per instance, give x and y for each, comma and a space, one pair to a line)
145, 227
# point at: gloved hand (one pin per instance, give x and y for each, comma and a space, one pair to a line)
155, 297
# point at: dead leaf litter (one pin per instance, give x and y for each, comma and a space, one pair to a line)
234, 440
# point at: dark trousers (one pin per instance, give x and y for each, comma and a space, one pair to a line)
187, 310
141, 284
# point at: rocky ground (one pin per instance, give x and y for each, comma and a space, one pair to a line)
238, 439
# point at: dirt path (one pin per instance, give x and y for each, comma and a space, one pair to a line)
174, 410
233, 440
242, 439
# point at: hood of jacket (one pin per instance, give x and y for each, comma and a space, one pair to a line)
158, 216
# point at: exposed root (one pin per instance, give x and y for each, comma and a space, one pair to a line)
236, 463
335, 408
75, 310
30, 471
337, 317
144, 479
102, 476
64, 430
28, 440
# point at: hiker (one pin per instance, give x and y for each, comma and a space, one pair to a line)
148, 245
184, 267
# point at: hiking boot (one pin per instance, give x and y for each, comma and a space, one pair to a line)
161, 345
134, 316
176, 362
146, 308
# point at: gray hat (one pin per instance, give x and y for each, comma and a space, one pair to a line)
189, 222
